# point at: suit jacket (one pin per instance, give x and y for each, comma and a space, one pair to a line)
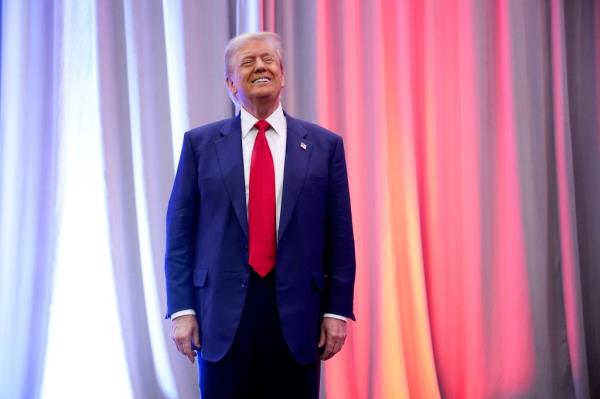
206, 261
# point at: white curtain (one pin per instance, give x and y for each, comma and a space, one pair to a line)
95, 98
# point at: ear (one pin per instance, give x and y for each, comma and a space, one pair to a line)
282, 76
231, 86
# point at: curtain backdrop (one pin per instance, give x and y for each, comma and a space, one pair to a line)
473, 146
29, 142
474, 153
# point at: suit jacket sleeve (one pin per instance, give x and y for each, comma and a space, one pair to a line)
340, 259
182, 219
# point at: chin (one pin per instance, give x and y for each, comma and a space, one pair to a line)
262, 95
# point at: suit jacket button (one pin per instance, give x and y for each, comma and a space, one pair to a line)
243, 285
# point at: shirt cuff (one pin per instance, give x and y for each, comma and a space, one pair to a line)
333, 316
184, 312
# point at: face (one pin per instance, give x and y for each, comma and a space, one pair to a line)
256, 75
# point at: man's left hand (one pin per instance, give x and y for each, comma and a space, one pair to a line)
333, 335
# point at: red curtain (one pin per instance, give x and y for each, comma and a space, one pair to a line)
471, 132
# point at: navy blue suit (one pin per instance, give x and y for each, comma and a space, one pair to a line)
206, 261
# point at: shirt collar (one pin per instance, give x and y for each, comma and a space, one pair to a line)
276, 120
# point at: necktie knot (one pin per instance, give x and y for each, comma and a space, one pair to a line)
262, 125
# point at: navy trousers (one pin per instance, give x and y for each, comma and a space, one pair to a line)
259, 363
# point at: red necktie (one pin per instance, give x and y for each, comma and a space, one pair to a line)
261, 204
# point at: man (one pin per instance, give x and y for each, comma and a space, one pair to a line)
260, 251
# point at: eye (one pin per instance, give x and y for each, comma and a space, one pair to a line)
268, 59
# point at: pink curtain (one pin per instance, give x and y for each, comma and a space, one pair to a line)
474, 153
472, 134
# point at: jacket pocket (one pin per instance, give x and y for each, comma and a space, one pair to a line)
200, 277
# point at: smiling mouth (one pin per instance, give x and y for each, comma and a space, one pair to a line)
261, 80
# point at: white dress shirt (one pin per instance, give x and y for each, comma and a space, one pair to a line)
276, 137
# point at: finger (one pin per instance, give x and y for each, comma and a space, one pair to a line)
326, 352
328, 349
178, 345
323, 337
187, 350
191, 357
187, 347
196, 340
336, 345
331, 351
334, 350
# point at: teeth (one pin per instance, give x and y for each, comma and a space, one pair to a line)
261, 80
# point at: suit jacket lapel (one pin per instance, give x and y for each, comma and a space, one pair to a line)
297, 154
231, 163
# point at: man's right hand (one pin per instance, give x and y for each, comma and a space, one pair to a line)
184, 332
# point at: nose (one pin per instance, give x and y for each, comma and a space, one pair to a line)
259, 65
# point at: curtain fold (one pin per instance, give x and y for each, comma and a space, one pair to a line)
139, 96
460, 122
30, 122
582, 66
570, 254
472, 139
116, 120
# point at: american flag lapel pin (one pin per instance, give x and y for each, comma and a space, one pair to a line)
303, 145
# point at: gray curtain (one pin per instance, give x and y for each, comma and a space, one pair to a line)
135, 100
160, 72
